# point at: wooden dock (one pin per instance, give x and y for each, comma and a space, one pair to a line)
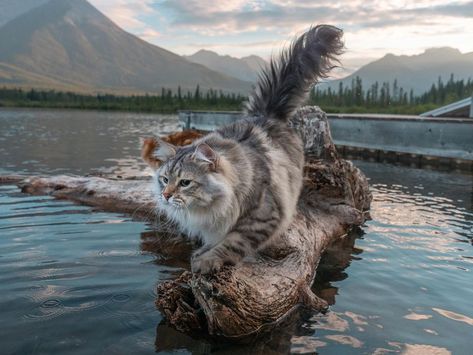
427, 142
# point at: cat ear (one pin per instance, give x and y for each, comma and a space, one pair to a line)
206, 154
155, 151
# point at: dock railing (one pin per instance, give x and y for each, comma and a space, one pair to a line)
471, 106
400, 137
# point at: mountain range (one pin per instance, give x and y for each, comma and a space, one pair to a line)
416, 72
70, 45
246, 68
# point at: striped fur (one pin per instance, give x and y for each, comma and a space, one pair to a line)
237, 188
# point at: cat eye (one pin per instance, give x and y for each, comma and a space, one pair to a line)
165, 179
184, 183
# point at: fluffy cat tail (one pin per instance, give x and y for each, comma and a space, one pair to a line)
284, 84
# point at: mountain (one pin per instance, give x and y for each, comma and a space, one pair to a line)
9, 9
417, 72
68, 44
246, 68
255, 62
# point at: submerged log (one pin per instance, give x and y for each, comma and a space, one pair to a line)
262, 291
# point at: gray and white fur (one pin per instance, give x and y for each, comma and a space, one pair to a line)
237, 188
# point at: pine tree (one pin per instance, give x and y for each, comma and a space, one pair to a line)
197, 93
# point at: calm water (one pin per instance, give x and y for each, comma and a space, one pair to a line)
77, 281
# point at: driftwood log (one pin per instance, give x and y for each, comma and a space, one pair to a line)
262, 291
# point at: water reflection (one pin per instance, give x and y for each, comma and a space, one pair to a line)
455, 316
174, 251
333, 263
73, 280
280, 341
291, 335
70, 141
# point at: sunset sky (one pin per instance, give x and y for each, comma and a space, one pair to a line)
239, 28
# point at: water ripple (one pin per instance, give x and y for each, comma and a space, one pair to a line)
72, 279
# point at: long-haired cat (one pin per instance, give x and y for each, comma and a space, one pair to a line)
237, 188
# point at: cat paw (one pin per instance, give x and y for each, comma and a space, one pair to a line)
206, 263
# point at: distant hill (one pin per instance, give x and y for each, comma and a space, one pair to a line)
255, 62
68, 44
417, 72
246, 68
9, 9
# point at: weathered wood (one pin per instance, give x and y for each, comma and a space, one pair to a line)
259, 293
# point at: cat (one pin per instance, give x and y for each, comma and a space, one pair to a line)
149, 145
237, 188
182, 138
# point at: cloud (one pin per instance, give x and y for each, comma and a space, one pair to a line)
464, 9
226, 17
239, 16
149, 34
247, 17
244, 27
126, 13
206, 7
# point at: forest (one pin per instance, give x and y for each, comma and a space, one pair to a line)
389, 97
167, 102
382, 97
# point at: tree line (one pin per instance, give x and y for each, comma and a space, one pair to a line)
168, 102
383, 97
389, 97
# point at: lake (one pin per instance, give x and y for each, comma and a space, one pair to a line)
75, 280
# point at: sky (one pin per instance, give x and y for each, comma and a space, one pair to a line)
239, 28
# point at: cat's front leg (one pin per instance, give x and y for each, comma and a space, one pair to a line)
207, 262
234, 247
228, 252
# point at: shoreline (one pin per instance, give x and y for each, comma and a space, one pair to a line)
175, 110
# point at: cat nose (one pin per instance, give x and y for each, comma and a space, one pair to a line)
167, 195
